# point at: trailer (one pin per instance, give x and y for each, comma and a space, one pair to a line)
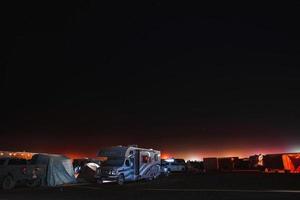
228, 163
128, 163
210, 164
282, 163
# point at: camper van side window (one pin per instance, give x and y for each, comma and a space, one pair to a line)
145, 159
127, 163
155, 157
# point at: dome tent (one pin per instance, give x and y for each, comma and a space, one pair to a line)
59, 169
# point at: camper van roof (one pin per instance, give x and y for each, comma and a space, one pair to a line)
118, 151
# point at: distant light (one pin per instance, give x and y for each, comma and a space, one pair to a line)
194, 158
169, 160
294, 149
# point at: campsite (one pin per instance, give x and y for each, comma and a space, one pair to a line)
270, 176
50, 170
150, 100
123, 164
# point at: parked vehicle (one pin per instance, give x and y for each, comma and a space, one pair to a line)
195, 167
128, 163
14, 171
175, 165
164, 170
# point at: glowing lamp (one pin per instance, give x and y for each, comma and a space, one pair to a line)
169, 160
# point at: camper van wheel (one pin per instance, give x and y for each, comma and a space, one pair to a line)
138, 177
121, 179
8, 183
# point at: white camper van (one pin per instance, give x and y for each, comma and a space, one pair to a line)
128, 163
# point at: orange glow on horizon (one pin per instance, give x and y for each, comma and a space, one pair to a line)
188, 153
194, 154
238, 152
165, 155
75, 155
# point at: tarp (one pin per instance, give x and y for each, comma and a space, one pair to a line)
59, 169
291, 162
88, 172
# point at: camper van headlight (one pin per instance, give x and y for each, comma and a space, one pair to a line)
113, 172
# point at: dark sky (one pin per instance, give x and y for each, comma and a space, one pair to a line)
190, 79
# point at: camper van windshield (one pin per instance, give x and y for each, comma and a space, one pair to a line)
113, 161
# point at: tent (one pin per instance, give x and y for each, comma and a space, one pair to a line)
88, 172
59, 169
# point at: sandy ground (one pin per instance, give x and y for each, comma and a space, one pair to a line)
178, 186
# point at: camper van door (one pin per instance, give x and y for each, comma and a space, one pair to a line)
136, 163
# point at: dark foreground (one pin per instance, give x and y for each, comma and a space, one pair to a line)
179, 186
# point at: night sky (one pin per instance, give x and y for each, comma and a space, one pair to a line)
193, 80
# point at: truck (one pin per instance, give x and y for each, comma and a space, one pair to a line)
16, 171
127, 163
